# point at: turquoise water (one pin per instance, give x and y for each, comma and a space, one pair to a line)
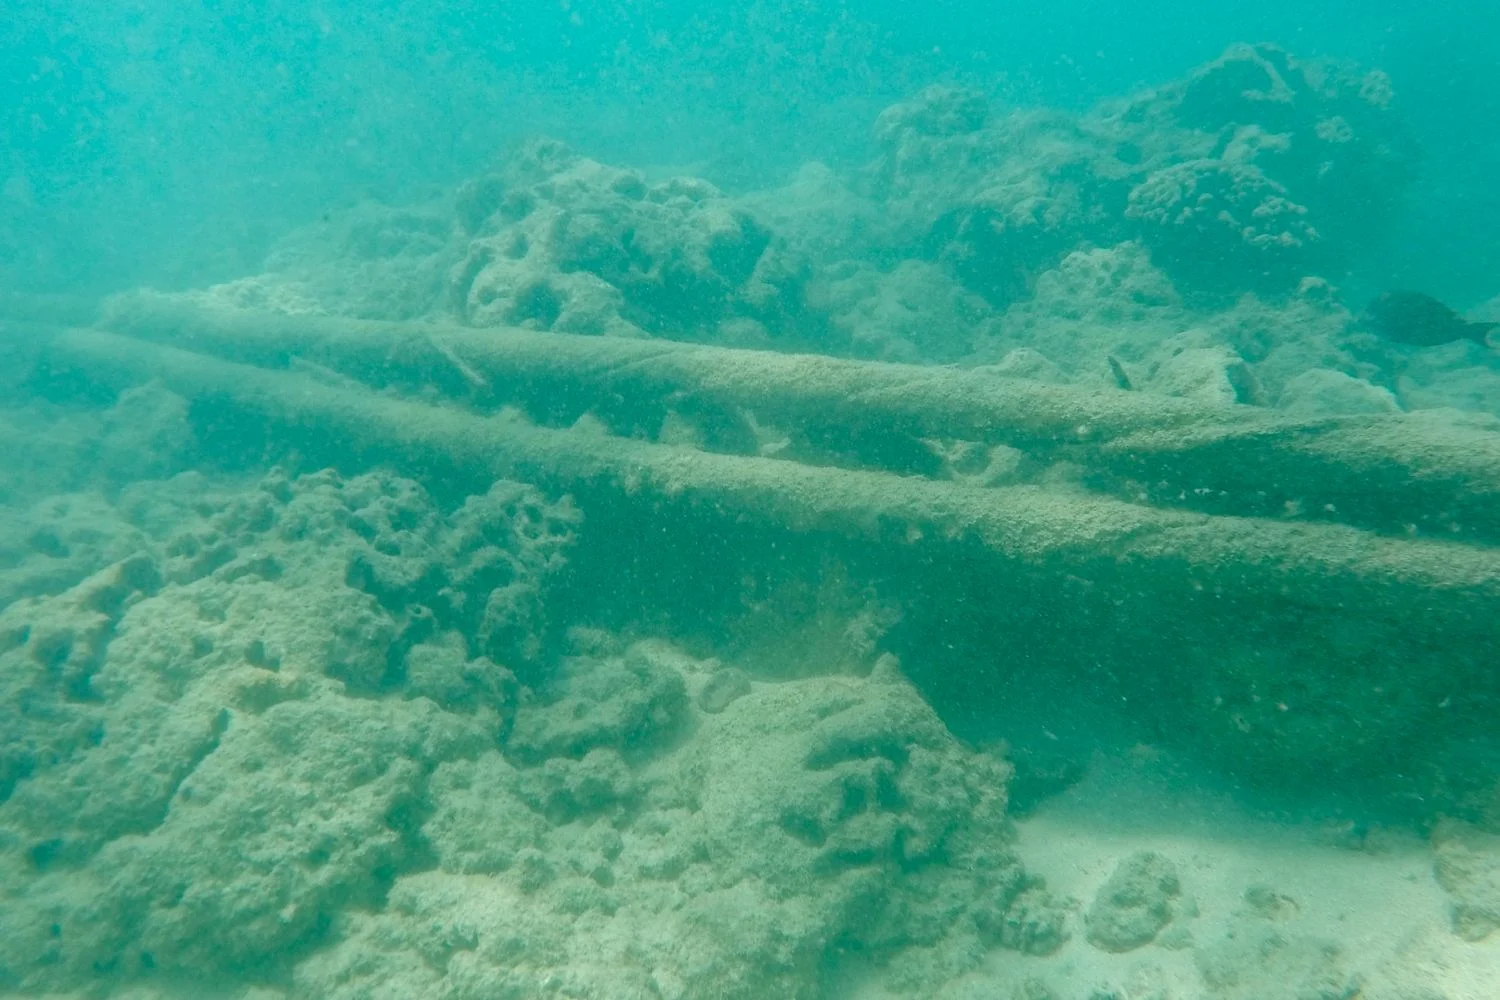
778, 500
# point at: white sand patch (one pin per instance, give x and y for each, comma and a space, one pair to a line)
1269, 907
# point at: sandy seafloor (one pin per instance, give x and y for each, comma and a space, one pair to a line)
270, 730
1307, 908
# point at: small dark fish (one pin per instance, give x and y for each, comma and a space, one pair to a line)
1421, 320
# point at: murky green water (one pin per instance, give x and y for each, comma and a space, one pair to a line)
628, 501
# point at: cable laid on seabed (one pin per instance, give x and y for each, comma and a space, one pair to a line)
1026, 523
1391, 473
1373, 634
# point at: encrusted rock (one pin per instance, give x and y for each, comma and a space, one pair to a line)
1136, 902
1468, 869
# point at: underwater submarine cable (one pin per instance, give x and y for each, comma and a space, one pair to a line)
1387, 472
915, 399
1375, 636
1307, 563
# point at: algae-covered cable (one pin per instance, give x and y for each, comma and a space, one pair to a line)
913, 399
1442, 589
1387, 472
